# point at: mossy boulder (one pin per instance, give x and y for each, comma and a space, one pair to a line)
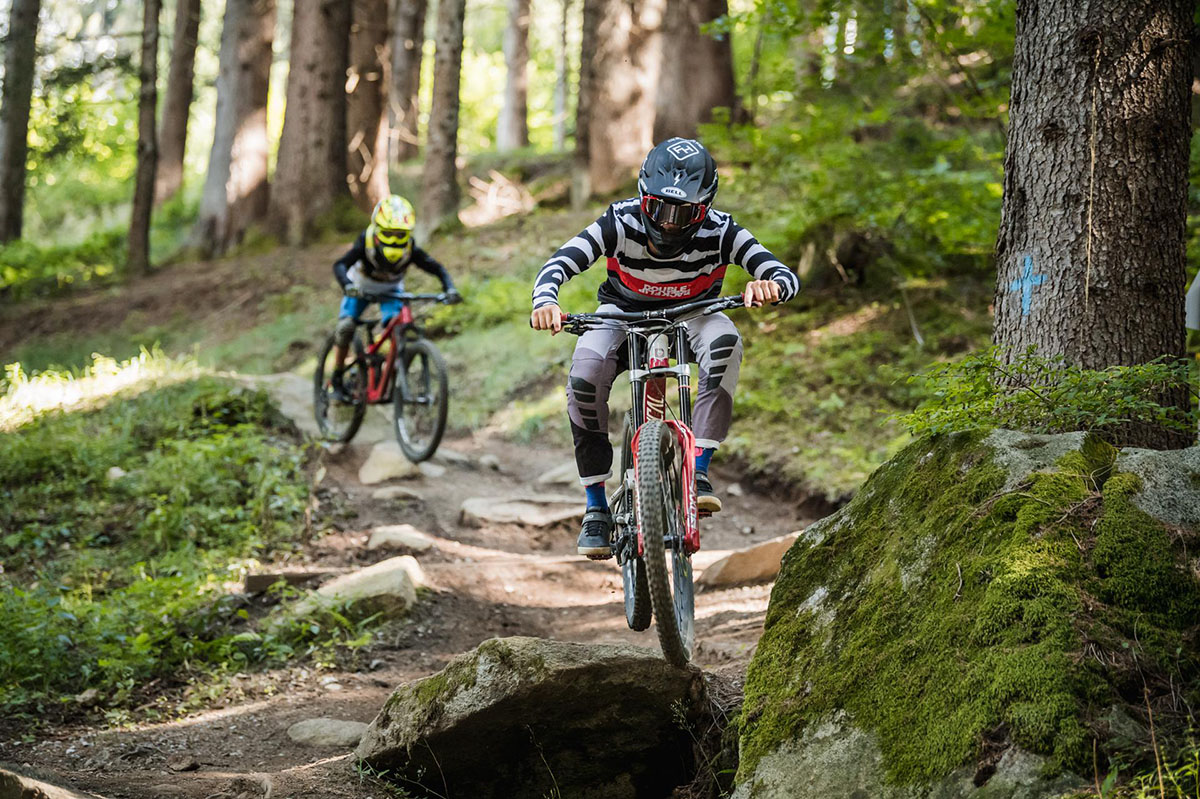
991, 616
526, 717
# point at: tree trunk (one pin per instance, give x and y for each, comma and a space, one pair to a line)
235, 189
697, 70
512, 129
562, 69
19, 64
1091, 246
808, 56
172, 139
618, 75
311, 171
439, 181
147, 148
366, 112
408, 39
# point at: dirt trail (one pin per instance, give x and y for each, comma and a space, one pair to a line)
494, 580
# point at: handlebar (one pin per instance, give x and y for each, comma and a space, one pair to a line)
404, 297
669, 314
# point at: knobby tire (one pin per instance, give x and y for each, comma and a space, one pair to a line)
431, 376
633, 571
356, 374
656, 475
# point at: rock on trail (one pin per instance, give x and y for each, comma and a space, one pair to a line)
753, 564
527, 717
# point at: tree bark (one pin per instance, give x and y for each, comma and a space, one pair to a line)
172, 138
439, 181
235, 188
408, 40
619, 67
512, 129
697, 70
1091, 246
367, 109
563, 69
19, 64
311, 170
147, 148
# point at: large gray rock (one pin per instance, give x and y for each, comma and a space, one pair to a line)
327, 732
388, 587
525, 717
1170, 481
530, 512
837, 759
960, 629
386, 462
753, 564
14, 786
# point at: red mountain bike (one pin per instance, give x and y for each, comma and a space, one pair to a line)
656, 526
399, 366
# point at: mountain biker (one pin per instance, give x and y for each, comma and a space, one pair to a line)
665, 246
376, 264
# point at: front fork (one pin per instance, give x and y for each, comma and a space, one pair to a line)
653, 406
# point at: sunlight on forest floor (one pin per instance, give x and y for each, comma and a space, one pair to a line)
28, 396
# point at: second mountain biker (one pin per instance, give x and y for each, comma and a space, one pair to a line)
376, 264
664, 247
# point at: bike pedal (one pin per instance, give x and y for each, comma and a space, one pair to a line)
704, 514
599, 557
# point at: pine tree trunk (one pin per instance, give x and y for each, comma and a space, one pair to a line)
367, 109
619, 68
562, 69
697, 70
512, 129
439, 181
1091, 246
311, 171
19, 64
172, 138
408, 40
235, 189
147, 149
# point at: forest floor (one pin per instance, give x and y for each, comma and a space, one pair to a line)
494, 580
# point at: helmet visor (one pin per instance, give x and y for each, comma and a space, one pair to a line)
666, 212
393, 244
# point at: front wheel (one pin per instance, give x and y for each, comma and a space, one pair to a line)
421, 399
337, 418
668, 565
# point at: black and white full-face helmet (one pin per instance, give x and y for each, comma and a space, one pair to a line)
677, 184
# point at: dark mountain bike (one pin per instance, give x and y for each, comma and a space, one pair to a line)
399, 366
656, 527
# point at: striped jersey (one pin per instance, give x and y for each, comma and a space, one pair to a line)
639, 281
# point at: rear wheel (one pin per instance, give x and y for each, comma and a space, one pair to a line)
421, 399
633, 567
338, 420
662, 515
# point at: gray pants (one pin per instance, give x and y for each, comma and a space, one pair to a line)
598, 357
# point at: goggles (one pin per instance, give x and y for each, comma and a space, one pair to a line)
664, 212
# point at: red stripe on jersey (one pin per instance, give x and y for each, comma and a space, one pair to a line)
682, 290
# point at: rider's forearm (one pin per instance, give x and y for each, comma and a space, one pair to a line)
340, 271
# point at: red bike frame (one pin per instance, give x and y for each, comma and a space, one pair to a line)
379, 381
655, 408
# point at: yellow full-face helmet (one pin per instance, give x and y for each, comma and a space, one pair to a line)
390, 233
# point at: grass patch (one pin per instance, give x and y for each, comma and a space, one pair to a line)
124, 525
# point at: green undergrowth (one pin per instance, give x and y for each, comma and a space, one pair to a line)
126, 527
950, 618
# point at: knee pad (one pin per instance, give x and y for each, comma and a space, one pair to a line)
344, 332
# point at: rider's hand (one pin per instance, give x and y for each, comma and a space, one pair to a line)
760, 291
351, 290
453, 297
548, 317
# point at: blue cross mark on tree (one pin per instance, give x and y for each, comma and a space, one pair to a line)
1025, 284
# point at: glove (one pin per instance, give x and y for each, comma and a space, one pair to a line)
453, 297
351, 290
